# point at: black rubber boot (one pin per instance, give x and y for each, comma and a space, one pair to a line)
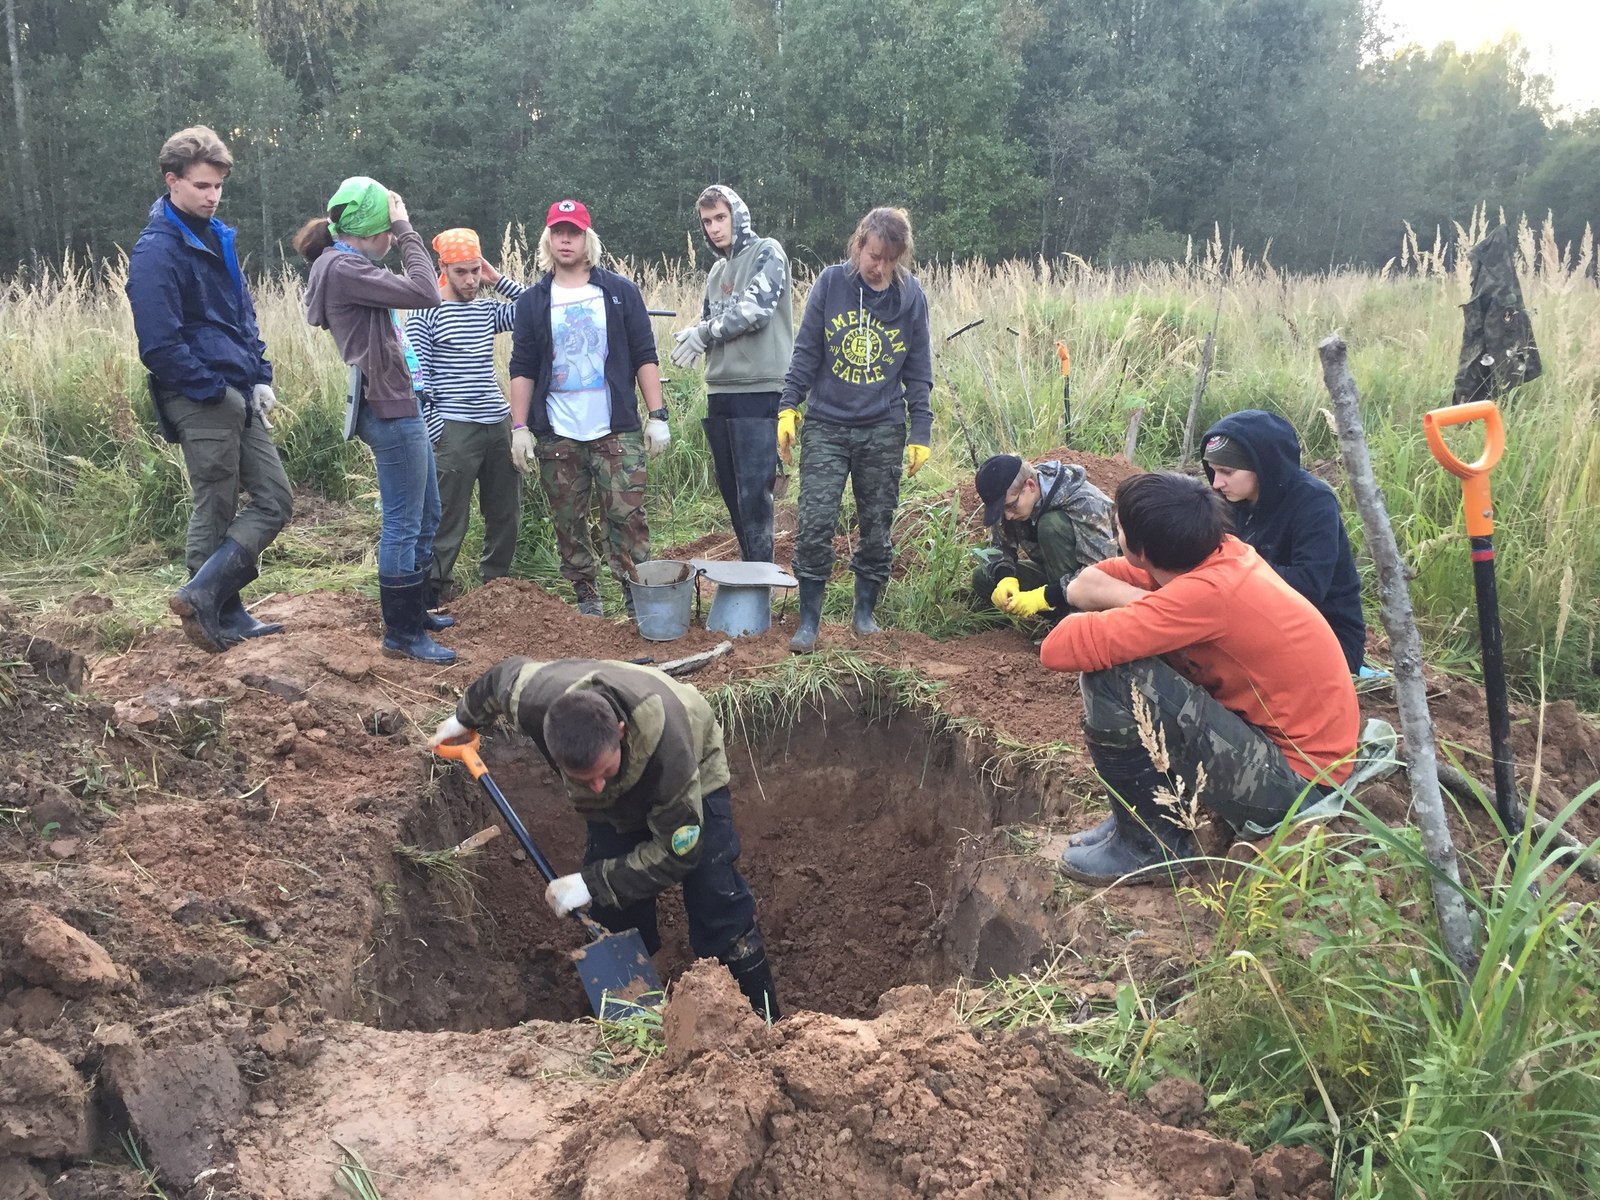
403, 633
1096, 834
717, 440
1144, 841
198, 603
753, 974
755, 464
862, 620
432, 622
805, 637
236, 619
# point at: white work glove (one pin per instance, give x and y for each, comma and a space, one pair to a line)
691, 345
522, 449
657, 437
450, 730
566, 893
262, 401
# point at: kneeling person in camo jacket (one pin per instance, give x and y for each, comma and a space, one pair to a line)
643, 762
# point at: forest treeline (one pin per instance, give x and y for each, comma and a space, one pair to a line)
1109, 129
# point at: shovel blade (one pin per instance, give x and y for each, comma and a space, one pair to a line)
618, 976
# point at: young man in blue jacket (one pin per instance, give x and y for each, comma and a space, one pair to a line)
211, 386
1290, 516
580, 343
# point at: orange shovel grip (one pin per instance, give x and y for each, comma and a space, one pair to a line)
1066, 359
1474, 475
465, 753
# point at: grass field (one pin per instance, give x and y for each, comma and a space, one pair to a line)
90, 497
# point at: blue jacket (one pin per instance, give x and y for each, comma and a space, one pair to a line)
1295, 524
192, 311
630, 344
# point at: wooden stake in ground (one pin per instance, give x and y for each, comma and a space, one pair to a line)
1416, 723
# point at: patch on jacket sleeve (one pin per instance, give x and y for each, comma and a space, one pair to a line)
684, 839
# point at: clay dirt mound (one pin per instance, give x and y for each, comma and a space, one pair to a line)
910, 1103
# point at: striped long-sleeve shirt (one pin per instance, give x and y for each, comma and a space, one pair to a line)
455, 346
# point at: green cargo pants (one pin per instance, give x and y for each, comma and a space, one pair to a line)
226, 454
471, 453
1058, 543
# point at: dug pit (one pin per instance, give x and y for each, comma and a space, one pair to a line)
869, 840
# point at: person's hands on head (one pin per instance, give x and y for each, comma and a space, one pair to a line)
397, 208
489, 274
916, 456
566, 893
788, 433
657, 437
691, 345
449, 730
1028, 604
1004, 592
263, 399
522, 449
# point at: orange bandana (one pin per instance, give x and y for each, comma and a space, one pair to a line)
456, 245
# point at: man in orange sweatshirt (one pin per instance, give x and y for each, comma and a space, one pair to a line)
1193, 634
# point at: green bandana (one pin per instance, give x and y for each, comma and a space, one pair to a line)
360, 208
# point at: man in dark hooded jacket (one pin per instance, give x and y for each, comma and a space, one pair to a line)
746, 332
1290, 516
211, 385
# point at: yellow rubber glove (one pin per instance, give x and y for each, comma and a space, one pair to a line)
915, 457
788, 433
1004, 593
1028, 604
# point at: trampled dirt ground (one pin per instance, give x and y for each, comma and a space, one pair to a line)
212, 934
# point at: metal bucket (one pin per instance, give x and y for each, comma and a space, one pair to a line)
742, 606
663, 596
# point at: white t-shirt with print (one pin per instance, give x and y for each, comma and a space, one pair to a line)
580, 403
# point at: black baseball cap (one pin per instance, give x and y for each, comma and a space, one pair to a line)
994, 480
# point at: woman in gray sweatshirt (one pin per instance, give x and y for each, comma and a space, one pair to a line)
359, 303
862, 359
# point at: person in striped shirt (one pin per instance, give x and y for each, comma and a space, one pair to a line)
455, 345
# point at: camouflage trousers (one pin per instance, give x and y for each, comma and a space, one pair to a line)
872, 457
1247, 777
575, 475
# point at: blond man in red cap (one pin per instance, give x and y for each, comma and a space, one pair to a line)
580, 345
455, 347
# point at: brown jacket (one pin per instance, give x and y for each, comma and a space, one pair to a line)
672, 757
350, 296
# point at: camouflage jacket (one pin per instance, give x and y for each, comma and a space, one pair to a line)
1063, 488
748, 316
672, 756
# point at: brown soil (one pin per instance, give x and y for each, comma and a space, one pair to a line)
207, 934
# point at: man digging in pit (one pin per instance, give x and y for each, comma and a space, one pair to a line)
1047, 522
1207, 680
642, 759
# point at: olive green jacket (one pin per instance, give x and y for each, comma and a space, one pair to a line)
672, 756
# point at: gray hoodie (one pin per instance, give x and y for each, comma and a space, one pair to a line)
863, 357
748, 316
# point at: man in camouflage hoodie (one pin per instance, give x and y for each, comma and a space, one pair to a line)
1047, 522
746, 332
643, 762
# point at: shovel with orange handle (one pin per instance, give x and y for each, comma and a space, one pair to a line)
618, 976
1475, 498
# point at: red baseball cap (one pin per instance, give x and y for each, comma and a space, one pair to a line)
567, 212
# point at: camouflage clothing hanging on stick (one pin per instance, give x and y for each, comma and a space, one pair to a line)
1497, 347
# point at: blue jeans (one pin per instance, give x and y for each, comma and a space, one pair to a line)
408, 488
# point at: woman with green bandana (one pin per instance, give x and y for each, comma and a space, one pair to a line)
359, 302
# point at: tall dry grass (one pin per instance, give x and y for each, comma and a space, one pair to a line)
82, 479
